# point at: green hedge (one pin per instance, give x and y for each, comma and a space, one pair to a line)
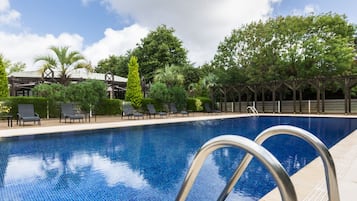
158, 106
191, 105
109, 107
40, 104
105, 106
204, 100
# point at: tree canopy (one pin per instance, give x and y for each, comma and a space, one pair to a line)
287, 47
159, 49
118, 65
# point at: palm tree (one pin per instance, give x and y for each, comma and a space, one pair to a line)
204, 85
64, 61
169, 75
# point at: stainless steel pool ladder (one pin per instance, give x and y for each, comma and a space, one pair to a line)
285, 186
279, 174
252, 109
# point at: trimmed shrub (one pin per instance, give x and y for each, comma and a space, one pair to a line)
4, 91
133, 89
159, 106
191, 104
194, 104
39, 103
204, 100
104, 107
109, 107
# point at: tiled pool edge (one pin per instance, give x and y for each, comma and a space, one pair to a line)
12, 132
92, 126
310, 184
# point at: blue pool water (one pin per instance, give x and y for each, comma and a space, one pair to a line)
150, 162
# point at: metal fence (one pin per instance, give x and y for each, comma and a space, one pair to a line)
331, 106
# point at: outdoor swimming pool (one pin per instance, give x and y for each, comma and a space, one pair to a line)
150, 162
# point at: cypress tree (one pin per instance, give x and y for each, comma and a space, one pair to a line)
4, 91
133, 86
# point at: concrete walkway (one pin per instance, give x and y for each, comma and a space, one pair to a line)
310, 182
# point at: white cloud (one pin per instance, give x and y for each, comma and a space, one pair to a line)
86, 2
200, 24
115, 42
25, 47
310, 9
8, 16
21, 169
4, 5
119, 173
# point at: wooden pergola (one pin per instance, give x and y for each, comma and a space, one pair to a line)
278, 87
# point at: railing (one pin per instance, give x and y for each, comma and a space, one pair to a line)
330, 172
282, 179
287, 191
252, 109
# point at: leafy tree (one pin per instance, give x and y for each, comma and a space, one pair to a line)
178, 95
190, 74
118, 65
159, 49
206, 69
203, 87
170, 75
159, 92
55, 92
87, 93
287, 47
12, 67
16, 67
64, 61
133, 89
4, 91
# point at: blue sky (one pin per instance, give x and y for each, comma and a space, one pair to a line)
57, 16
99, 28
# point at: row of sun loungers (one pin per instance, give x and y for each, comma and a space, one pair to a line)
26, 112
130, 112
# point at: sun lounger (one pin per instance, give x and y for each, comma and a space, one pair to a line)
152, 111
209, 110
68, 111
129, 111
173, 110
27, 113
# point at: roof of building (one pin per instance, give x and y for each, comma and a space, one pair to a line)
76, 74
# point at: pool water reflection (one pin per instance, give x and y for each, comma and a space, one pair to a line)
150, 162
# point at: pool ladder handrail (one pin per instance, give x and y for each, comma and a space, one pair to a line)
329, 166
279, 174
252, 109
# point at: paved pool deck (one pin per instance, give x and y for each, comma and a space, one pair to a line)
309, 182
